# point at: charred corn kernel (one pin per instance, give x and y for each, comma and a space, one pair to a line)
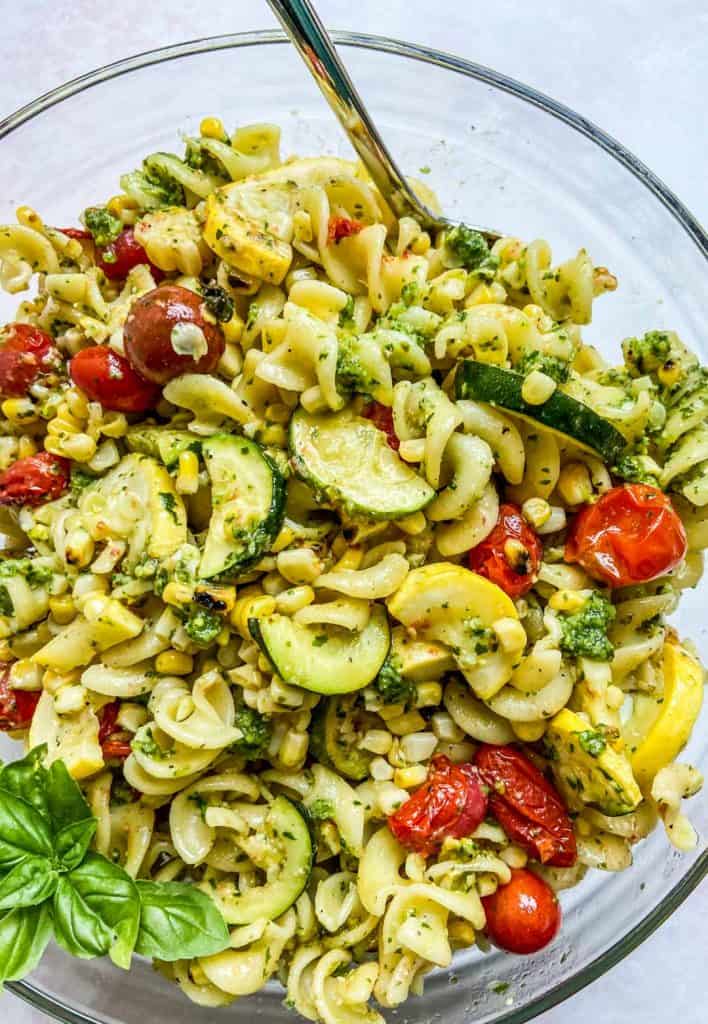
537, 387
517, 555
131, 716
217, 598
529, 732
212, 128
187, 481
19, 411
177, 593
510, 633
389, 711
70, 699
461, 933
536, 511
293, 749
569, 601
445, 727
256, 606
25, 675
293, 599
79, 548
351, 559
421, 244
413, 524
62, 608
380, 770
410, 721
408, 778
574, 484
669, 373
26, 447
233, 329
174, 663
428, 695
376, 741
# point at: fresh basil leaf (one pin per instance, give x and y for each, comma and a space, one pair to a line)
24, 934
72, 842
23, 830
110, 893
30, 882
178, 921
65, 800
27, 779
77, 928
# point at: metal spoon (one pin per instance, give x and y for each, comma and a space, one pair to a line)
302, 24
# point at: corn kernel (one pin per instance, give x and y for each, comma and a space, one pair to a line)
351, 559
285, 695
119, 205
5, 651
574, 484
233, 329
510, 633
410, 721
569, 601
614, 698
376, 741
26, 447
187, 481
418, 746
293, 599
389, 711
62, 608
412, 451
536, 511
457, 752
445, 727
537, 387
380, 770
174, 663
177, 593
222, 598
421, 244
669, 373
70, 699
293, 749
131, 716
428, 695
19, 411
408, 778
25, 675
413, 524
299, 565
529, 732
212, 128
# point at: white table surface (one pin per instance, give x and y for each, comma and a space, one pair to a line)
638, 68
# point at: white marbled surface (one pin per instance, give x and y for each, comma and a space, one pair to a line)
638, 68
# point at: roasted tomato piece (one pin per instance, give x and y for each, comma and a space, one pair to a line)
117, 259
114, 742
451, 802
382, 417
26, 352
342, 227
34, 480
511, 555
108, 378
166, 334
526, 805
524, 915
16, 706
630, 535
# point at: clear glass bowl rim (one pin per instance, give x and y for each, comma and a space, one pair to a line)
693, 877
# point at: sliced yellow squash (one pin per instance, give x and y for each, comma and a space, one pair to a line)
104, 623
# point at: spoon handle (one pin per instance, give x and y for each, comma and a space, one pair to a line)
302, 24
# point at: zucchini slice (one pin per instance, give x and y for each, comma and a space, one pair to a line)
248, 504
162, 443
347, 460
341, 722
287, 830
324, 659
562, 414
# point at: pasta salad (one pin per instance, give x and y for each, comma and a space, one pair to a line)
334, 575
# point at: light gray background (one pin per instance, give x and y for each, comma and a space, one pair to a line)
638, 68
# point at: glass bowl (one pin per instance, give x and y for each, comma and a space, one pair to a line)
496, 152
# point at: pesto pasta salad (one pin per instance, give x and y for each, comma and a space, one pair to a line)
334, 569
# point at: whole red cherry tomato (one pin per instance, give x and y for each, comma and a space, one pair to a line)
108, 378
342, 227
526, 805
114, 743
118, 258
34, 480
163, 326
382, 417
16, 706
26, 353
511, 555
524, 915
451, 802
630, 535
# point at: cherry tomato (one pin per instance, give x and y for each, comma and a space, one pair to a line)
451, 802
34, 480
108, 378
115, 743
630, 535
342, 227
526, 805
16, 706
152, 343
118, 258
511, 555
524, 915
382, 417
26, 353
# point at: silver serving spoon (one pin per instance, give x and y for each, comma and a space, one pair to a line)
302, 24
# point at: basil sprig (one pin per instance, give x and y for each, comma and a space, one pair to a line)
52, 883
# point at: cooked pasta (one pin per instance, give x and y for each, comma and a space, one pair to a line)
308, 509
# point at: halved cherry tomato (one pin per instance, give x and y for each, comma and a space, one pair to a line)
108, 378
34, 480
451, 802
26, 353
511, 555
152, 343
524, 915
630, 535
16, 706
118, 258
342, 227
115, 743
526, 805
382, 417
